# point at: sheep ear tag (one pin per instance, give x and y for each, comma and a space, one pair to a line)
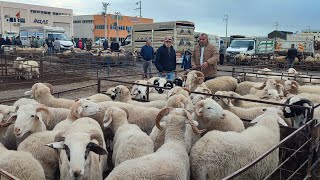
79, 110
56, 145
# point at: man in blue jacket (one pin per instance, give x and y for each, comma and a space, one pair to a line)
165, 60
147, 55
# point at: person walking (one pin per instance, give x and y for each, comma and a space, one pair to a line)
50, 46
105, 44
205, 57
114, 46
147, 54
165, 60
291, 56
80, 44
18, 41
89, 44
56, 45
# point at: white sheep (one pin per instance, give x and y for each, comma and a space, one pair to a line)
48, 158
81, 147
210, 116
29, 118
129, 141
25, 101
99, 98
179, 90
195, 79
198, 97
315, 98
294, 88
217, 150
244, 87
27, 67
180, 101
222, 83
41, 93
22, 165
122, 94
141, 116
170, 161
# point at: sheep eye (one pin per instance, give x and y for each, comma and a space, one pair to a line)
32, 116
8, 113
209, 108
86, 106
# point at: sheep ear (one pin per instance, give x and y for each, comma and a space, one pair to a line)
107, 119
96, 148
12, 119
56, 145
200, 80
79, 110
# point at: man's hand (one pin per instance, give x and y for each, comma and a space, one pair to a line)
204, 65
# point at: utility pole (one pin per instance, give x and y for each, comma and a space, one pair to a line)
276, 25
139, 8
226, 18
309, 29
117, 14
105, 8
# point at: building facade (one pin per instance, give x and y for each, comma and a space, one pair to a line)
14, 15
83, 26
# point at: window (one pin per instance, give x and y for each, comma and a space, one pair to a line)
87, 21
99, 27
128, 28
77, 21
22, 20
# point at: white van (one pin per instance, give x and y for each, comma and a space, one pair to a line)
44, 32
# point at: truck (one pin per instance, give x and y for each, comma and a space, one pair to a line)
182, 33
251, 46
44, 32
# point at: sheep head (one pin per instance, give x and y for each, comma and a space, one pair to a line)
209, 109
83, 108
122, 94
170, 115
114, 111
39, 90
180, 101
77, 147
291, 86
299, 115
194, 78
28, 118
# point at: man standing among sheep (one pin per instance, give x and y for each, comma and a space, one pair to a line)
165, 60
292, 54
147, 55
206, 56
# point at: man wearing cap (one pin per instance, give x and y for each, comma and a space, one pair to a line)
205, 57
165, 60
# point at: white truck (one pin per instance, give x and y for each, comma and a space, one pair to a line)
181, 31
251, 46
44, 32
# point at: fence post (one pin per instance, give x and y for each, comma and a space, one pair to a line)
41, 69
148, 93
233, 71
99, 85
5, 63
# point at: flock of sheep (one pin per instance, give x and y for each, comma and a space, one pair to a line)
181, 133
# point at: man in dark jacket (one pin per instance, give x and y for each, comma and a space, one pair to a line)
165, 60
105, 44
147, 55
292, 54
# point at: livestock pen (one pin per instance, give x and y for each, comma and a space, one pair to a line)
298, 149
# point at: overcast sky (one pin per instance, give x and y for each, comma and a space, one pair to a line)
247, 17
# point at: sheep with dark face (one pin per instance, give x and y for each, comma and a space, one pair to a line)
298, 115
160, 83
